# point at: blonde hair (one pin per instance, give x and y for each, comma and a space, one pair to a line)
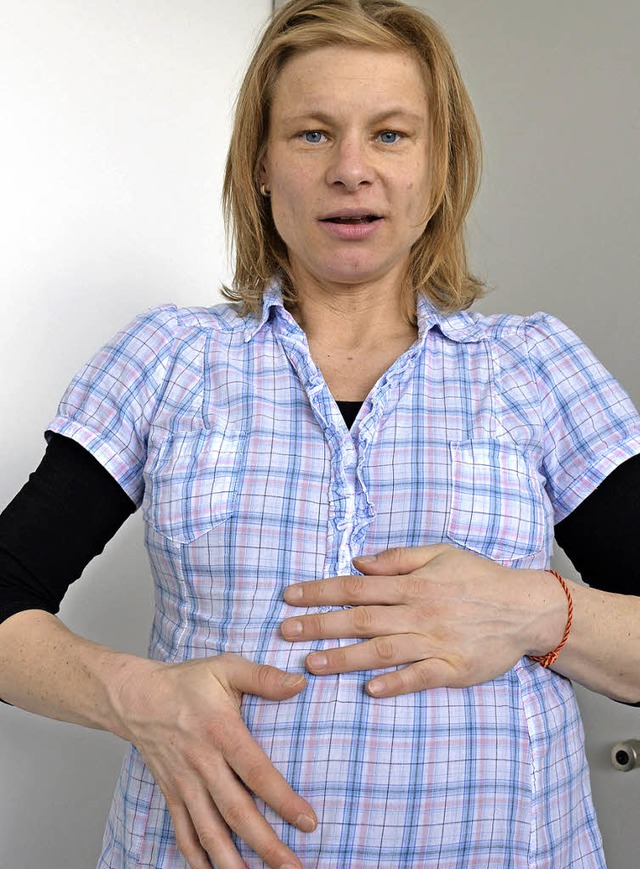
438, 261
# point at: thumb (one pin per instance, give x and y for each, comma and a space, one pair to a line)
397, 561
263, 680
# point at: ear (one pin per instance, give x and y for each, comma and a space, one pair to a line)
263, 163
263, 172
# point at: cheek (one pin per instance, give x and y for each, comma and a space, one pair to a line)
412, 197
287, 219
290, 195
417, 192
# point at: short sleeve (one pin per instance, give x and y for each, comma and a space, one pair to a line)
590, 424
110, 403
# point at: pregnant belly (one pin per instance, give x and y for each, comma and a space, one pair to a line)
403, 781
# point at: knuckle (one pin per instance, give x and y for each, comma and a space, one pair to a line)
192, 853
313, 626
411, 588
228, 742
264, 676
216, 736
236, 816
188, 842
354, 585
384, 648
405, 680
429, 674
255, 774
191, 757
271, 854
209, 842
394, 554
336, 658
314, 591
361, 620
288, 807
319, 623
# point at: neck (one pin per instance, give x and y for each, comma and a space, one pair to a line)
352, 317
354, 335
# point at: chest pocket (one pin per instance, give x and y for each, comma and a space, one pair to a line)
497, 502
192, 483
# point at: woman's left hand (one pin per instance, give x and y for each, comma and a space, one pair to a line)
454, 618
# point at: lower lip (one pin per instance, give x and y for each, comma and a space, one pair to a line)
351, 231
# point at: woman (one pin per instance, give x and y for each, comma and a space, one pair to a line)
351, 170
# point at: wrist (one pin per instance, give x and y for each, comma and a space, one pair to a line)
549, 659
549, 609
129, 693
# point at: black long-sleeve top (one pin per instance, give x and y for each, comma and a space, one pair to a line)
71, 507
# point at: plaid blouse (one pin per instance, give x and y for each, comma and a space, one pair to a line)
485, 433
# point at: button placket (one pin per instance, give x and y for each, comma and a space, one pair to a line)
342, 453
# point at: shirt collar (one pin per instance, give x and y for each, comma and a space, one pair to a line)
272, 298
462, 326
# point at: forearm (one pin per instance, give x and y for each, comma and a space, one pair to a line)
183, 718
48, 670
603, 649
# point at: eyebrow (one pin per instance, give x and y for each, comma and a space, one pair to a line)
324, 118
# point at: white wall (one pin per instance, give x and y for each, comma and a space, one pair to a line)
115, 118
556, 228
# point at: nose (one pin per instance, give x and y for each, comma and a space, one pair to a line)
351, 165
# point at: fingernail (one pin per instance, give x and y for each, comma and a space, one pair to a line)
291, 679
293, 592
365, 558
376, 688
305, 823
291, 628
289, 866
317, 659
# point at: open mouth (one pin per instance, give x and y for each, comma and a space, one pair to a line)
353, 221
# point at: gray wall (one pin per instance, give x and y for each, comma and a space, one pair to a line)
115, 121
556, 228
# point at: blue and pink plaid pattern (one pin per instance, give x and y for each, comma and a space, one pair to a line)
483, 434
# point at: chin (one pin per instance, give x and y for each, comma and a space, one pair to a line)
360, 273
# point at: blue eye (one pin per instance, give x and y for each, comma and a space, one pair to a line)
389, 137
313, 137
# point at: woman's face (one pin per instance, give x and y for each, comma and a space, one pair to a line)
347, 164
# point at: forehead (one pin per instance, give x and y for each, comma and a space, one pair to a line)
332, 78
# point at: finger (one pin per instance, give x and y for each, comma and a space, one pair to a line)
253, 767
261, 679
375, 654
214, 840
238, 809
400, 560
361, 621
429, 673
344, 591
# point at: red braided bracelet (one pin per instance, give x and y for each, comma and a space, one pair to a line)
550, 659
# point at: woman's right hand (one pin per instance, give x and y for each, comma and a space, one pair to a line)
185, 721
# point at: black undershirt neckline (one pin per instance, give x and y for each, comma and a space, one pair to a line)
349, 411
